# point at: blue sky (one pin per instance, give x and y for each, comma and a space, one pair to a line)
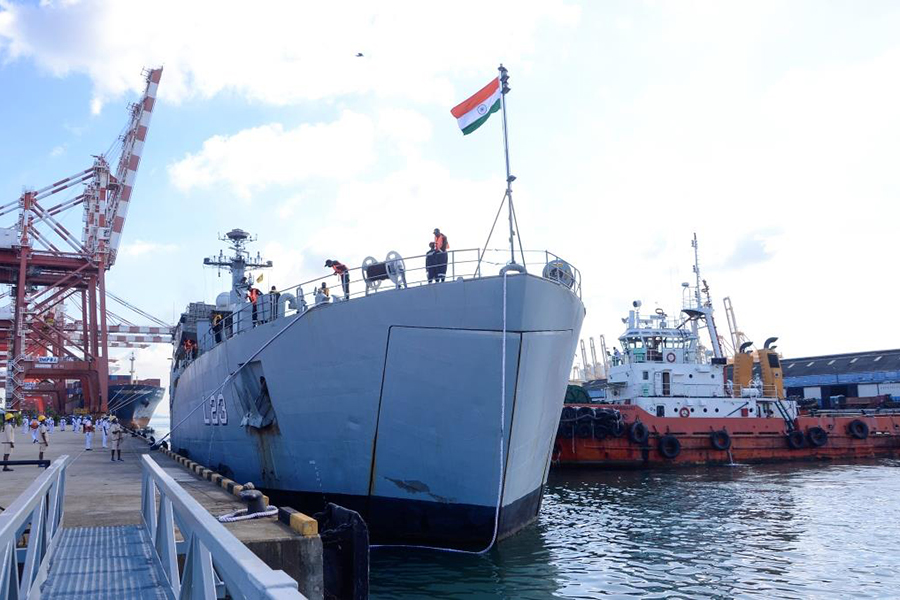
769, 128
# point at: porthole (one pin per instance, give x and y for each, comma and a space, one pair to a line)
692, 410
691, 376
717, 410
704, 410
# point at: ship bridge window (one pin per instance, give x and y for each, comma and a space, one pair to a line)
810, 363
877, 358
854, 360
831, 362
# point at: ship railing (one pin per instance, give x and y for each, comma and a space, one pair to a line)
38, 515
216, 564
714, 388
397, 273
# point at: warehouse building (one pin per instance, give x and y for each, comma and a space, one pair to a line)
853, 375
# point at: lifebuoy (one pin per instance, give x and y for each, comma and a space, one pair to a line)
858, 429
638, 433
818, 437
670, 357
669, 446
720, 440
685, 412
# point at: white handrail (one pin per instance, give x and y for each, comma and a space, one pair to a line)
40, 510
213, 553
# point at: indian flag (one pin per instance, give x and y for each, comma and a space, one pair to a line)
472, 113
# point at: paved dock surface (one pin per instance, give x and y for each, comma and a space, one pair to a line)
104, 493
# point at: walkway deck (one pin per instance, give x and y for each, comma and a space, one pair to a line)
105, 563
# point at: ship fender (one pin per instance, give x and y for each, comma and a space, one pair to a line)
818, 437
638, 433
796, 440
584, 431
720, 440
858, 429
669, 446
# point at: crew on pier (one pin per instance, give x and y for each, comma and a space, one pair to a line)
9, 437
43, 436
88, 433
118, 437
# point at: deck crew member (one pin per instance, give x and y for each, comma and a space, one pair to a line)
343, 274
431, 262
43, 436
34, 430
118, 436
217, 326
9, 438
440, 241
322, 294
274, 297
88, 428
253, 296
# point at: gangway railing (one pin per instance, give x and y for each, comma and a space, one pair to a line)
215, 561
36, 515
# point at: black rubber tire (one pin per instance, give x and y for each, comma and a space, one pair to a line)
568, 413
796, 440
618, 429
638, 433
584, 431
566, 431
601, 431
858, 429
584, 413
818, 437
720, 440
669, 446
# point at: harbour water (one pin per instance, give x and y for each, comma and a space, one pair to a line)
785, 531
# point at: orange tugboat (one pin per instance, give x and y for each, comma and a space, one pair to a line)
671, 402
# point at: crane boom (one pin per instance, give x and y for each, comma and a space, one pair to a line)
129, 161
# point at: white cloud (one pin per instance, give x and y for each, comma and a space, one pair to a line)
57, 151
280, 52
256, 158
143, 248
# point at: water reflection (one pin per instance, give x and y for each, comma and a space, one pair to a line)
791, 531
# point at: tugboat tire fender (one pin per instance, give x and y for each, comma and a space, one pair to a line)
796, 440
720, 440
638, 433
818, 437
858, 429
669, 446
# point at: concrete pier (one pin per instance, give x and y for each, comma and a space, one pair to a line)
104, 493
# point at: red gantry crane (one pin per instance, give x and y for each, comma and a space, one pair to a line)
47, 265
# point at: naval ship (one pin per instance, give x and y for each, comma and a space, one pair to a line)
429, 408
131, 400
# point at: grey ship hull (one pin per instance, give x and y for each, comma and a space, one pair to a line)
390, 405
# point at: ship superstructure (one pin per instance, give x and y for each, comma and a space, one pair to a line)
431, 408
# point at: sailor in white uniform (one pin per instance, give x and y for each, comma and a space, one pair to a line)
104, 430
88, 433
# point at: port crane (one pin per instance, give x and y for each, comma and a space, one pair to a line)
47, 265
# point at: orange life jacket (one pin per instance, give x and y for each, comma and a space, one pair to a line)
440, 243
254, 294
339, 268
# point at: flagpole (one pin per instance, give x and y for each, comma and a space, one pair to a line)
504, 88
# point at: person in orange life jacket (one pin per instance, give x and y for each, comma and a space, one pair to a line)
440, 241
253, 295
343, 273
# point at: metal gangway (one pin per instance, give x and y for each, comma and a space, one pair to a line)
41, 559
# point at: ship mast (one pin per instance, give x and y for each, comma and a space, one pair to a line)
705, 308
238, 263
